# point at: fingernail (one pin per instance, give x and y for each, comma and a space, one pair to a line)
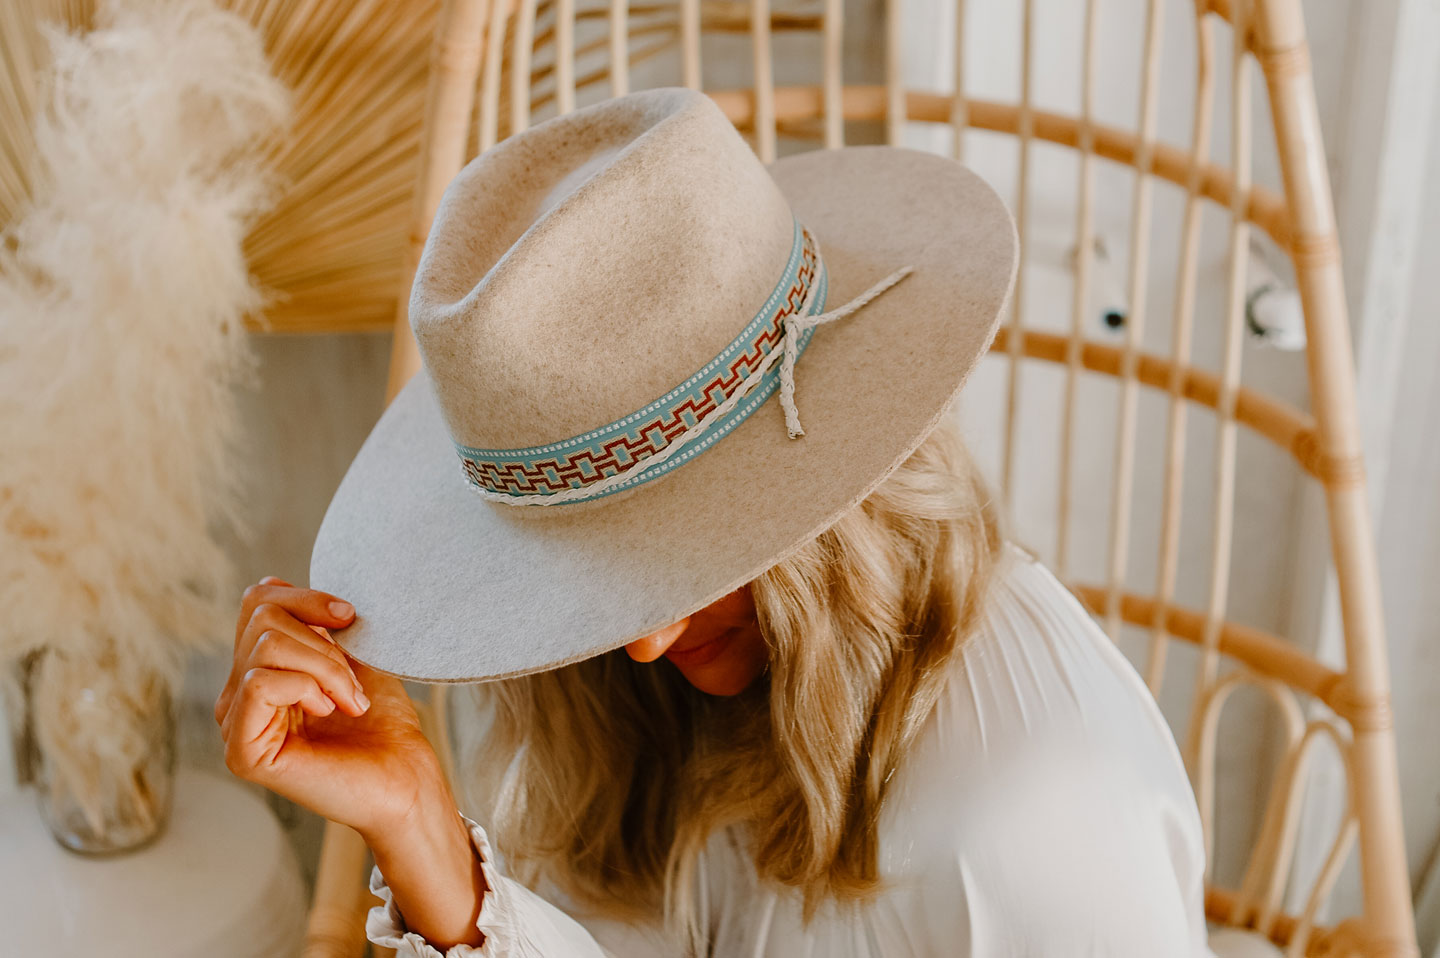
341, 610
362, 699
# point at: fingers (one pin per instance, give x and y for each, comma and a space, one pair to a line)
256, 728
293, 646
281, 650
267, 617
308, 605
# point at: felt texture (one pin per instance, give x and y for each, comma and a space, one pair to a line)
451, 588
577, 272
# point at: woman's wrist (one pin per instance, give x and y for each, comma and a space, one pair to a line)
432, 869
433, 804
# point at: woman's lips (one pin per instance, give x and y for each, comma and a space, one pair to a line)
700, 654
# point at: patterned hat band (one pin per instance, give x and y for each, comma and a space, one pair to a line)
690, 418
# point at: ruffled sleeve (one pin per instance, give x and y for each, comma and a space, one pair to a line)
516, 922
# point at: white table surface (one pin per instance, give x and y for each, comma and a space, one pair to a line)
221, 882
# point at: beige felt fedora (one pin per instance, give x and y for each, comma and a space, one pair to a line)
606, 306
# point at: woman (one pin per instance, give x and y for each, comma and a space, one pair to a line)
880, 729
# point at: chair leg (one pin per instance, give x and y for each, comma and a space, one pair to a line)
336, 927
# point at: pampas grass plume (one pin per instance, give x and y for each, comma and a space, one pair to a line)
122, 293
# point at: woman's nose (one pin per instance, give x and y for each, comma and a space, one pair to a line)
651, 647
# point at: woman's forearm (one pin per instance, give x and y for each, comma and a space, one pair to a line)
434, 873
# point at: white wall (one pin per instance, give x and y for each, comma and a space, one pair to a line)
1409, 541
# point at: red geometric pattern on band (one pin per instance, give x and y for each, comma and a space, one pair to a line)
558, 474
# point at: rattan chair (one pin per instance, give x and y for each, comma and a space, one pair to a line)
499, 63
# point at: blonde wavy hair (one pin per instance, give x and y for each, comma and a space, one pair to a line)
608, 777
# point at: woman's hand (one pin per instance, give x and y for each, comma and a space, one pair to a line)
301, 718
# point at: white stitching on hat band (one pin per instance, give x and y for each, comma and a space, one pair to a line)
605, 460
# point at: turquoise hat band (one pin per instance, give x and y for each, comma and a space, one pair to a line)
584, 468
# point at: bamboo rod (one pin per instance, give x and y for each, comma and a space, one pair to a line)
1026, 132
490, 77
1207, 719
1266, 655
1322, 943
1220, 906
522, 48
565, 55
690, 42
335, 927
1080, 293
1123, 488
1181, 340
547, 70
894, 73
867, 103
633, 31
1287, 427
764, 80
1263, 886
733, 16
1304, 929
1279, 41
539, 101
619, 49
833, 39
455, 60
1223, 507
959, 106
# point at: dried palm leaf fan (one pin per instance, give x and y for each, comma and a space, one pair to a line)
333, 250
23, 54
335, 246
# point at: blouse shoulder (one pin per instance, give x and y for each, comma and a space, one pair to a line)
1039, 674
1045, 792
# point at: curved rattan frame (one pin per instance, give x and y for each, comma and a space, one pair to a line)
468, 106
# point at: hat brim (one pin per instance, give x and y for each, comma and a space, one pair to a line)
451, 588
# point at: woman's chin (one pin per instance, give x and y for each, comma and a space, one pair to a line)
720, 681
730, 673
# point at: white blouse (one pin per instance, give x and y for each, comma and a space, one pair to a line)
1043, 811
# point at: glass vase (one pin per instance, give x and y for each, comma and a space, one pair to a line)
103, 747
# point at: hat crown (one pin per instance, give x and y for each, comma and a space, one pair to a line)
578, 270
